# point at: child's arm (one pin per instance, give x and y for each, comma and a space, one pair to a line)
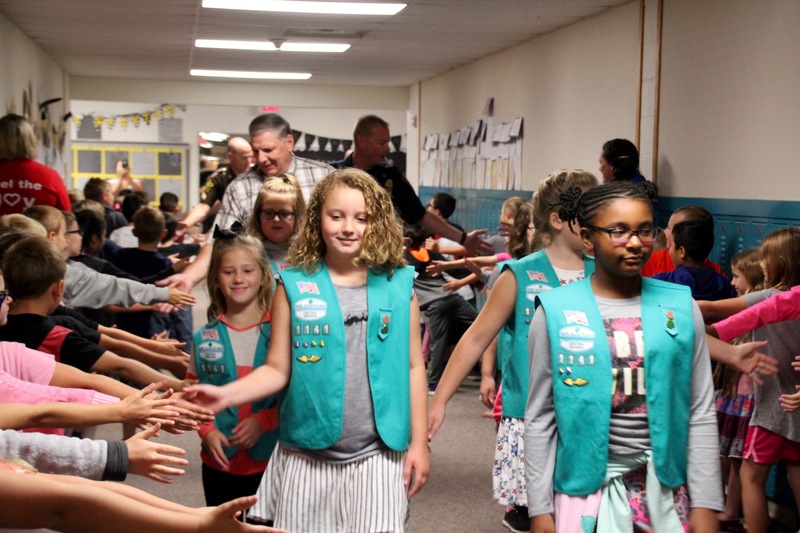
488, 366
777, 308
454, 284
703, 469
743, 357
472, 344
721, 308
437, 267
264, 380
134, 371
417, 465
42, 501
132, 409
541, 431
177, 366
168, 347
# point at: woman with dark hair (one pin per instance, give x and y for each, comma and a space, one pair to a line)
23, 181
619, 161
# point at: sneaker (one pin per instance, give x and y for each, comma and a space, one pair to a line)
432, 389
517, 519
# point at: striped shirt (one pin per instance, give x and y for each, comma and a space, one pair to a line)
237, 204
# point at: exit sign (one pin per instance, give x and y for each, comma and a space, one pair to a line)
270, 108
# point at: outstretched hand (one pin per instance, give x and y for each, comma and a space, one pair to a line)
222, 519
150, 459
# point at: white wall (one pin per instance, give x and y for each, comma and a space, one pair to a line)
730, 115
25, 65
575, 88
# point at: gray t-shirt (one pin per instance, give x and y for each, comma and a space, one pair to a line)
359, 438
628, 431
784, 344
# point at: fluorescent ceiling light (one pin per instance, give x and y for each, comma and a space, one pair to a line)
254, 75
214, 136
291, 6
268, 46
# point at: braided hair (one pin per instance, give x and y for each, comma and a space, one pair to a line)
584, 207
547, 199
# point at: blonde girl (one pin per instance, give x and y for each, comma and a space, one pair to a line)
277, 212
510, 305
238, 443
344, 318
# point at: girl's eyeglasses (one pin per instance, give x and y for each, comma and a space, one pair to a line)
76, 232
621, 236
3, 296
270, 214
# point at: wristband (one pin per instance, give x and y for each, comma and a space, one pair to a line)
463, 238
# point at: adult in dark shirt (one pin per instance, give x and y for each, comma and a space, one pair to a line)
240, 157
371, 139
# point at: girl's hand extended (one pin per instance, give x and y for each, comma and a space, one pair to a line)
207, 396
416, 468
213, 443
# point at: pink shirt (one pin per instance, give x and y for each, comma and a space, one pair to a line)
778, 308
26, 364
13, 390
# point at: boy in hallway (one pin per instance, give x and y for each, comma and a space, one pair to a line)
145, 261
692, 241
448, 314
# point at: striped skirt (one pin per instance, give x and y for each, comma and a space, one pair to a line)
305, 495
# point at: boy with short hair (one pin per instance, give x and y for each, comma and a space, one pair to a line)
85, 287
143, 261
100, 190
33, 270
169, 203
692, 241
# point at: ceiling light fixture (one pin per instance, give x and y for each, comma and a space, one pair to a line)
250, 74
270, 46
325, 8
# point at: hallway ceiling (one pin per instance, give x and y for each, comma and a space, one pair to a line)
154, 39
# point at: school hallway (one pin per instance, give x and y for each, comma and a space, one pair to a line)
457, 498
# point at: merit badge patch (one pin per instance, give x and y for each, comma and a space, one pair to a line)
310, 309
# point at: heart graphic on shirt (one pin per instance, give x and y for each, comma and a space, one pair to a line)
11, 199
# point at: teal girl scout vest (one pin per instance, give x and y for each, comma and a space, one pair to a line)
312, 406
216, 365
582, 381
534, 275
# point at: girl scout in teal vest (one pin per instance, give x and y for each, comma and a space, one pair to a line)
634, 377
348, 301
237, 445
510, 309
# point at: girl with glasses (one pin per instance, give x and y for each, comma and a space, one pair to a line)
277, 213
613, 439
